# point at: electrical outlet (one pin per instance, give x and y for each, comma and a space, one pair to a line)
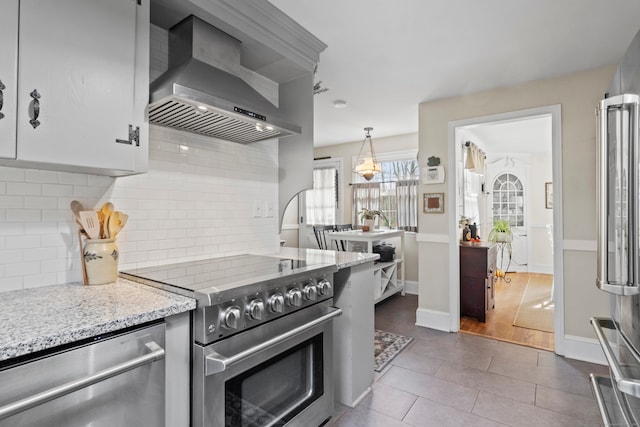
257, 209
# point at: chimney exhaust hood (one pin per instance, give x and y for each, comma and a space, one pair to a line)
207, 91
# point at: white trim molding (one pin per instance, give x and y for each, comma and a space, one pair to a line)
290, 226
432, 238
411, 287
585, 349
580, 245
433, 319
555, 112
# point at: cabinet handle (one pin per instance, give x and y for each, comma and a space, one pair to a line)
36, 108
134, 136
2, 87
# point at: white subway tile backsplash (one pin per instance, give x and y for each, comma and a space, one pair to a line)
24, 188
24, 215
12, 202
34, 175
195, 202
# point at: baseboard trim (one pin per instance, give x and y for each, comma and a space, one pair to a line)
359, 398
433, 319
585, 349
411, 287
540, 268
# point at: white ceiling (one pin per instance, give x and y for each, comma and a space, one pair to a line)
530, 135
385, 57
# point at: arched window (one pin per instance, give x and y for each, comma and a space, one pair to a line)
508, 199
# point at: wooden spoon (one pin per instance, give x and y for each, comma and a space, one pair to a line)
107, 210
117, 221
76, 207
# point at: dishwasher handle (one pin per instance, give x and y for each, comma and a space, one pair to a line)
157, 353
216, 363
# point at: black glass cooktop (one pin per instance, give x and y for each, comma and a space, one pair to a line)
219, 274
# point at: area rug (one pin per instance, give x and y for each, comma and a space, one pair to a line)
536, 307
387, 346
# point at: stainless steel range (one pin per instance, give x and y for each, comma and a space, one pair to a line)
263, 346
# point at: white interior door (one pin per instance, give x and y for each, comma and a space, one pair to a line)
507, 200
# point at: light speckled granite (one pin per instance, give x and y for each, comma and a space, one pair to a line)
340, 258
41, 318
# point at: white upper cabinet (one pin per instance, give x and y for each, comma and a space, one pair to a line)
8, 77
82, 85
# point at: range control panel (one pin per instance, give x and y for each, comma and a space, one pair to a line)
258, 306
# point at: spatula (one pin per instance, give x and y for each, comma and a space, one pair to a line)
90, 223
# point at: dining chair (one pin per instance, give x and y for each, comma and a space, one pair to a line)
342, 245
320, 232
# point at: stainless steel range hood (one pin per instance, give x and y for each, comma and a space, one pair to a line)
207, 91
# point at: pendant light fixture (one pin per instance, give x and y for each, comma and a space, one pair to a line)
366, 164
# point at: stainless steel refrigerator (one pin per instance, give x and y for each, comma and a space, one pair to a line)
618, 265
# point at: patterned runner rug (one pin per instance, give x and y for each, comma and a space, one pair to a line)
387, 346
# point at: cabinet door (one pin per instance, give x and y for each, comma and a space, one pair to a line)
79, 55
8, 77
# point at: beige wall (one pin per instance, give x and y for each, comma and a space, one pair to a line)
577, 94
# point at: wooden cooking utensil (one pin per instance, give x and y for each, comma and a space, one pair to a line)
76, 207
85, 279
90, 223
117, 221
107, 210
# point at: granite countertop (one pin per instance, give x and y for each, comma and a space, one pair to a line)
340, 258
41, 318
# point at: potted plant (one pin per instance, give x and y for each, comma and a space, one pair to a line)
368, 218
501, 232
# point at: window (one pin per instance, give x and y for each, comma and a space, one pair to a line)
394, 191
321, 204
508, 199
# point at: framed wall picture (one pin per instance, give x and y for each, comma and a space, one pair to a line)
548, 195
433, 203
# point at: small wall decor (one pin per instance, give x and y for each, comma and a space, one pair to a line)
433, 175
548, 195
433, 203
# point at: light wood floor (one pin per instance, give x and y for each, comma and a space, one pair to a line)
499, 322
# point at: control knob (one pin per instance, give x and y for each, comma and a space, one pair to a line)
294, 297
324, 287
276, 303
310, 292
230, 317
256, 309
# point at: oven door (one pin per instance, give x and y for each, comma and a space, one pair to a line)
276, 374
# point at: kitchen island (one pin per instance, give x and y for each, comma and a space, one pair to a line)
353, 332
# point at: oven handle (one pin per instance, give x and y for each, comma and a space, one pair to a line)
157, 353
216, 363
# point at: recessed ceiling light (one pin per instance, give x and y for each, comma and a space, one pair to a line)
340, 103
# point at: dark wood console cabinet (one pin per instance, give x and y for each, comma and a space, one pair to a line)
477, 267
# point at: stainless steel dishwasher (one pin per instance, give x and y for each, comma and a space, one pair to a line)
112, 380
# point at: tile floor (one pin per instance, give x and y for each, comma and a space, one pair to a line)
444, 379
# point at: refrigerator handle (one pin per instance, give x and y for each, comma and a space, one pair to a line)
602, 154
